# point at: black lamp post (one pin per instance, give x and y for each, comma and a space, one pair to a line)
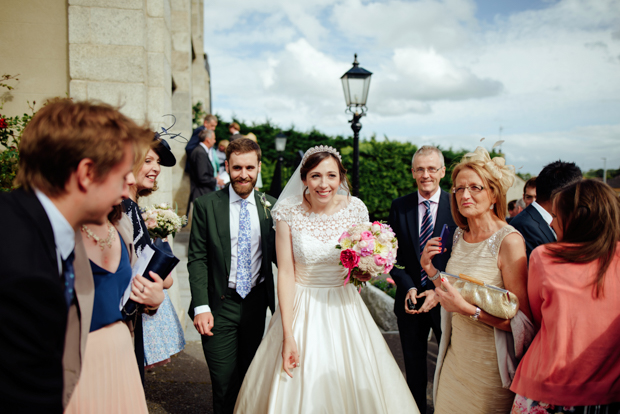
276, 183
355, 84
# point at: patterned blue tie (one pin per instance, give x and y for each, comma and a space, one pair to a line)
244, 250
68, 274
426, 231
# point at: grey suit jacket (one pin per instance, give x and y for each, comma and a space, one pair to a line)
202, 175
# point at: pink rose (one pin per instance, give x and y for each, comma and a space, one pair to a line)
387, 269
344, 236
151, 223
379, 260
349, 258
368, 249
366, 235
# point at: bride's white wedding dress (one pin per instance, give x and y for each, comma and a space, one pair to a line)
346, 366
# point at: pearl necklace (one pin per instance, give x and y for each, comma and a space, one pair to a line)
102, 243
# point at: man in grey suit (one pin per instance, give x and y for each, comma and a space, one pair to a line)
204, 166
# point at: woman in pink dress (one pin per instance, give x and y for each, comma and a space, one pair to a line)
573, 364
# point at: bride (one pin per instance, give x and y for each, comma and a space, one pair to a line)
322, 353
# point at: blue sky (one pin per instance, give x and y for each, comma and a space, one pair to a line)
445, 72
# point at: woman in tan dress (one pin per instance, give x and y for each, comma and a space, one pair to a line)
468, 377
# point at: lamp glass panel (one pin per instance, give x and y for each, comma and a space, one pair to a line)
366, 87
280, 144
357, 91
345, 88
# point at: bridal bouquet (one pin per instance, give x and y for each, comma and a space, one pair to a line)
368, 250
161, 221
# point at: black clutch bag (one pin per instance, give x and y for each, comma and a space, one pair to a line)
163, 262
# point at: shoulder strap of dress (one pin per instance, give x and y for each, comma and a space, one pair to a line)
458, 234
495, 241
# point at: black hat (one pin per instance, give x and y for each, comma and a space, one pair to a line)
166, 157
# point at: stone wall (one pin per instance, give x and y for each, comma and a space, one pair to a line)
144, 56
33, 46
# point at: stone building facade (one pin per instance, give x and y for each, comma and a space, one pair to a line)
145, 56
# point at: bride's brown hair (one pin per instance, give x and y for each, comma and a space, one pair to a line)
315, 159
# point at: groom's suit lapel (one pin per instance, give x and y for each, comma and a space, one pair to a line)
412, 224
264, 225
222, 214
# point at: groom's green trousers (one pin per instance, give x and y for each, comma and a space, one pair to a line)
237, 333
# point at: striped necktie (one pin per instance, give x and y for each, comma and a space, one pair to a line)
426, 231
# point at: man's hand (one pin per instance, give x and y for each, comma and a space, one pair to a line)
220, 182
204, 323
411, 295
430, 302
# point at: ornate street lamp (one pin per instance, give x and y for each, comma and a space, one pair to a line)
276, 183
355, 84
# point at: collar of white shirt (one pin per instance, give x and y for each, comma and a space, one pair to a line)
544, 213
206, 149
234, 197
434, 198
64, 235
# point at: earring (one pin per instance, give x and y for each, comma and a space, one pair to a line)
492, 205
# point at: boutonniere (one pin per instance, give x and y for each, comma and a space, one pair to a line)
266, 204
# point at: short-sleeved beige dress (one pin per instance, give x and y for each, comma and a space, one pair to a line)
469, 380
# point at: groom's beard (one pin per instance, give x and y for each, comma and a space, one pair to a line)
243, 191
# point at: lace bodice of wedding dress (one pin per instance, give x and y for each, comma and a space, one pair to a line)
314, 241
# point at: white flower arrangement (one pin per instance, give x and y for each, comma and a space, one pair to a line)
161, 221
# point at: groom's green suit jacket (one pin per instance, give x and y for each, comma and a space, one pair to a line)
210, 251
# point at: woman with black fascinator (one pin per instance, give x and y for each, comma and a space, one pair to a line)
160, 335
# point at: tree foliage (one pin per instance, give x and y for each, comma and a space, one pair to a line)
11, 129
385, 165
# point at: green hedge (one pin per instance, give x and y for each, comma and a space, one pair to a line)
385, 165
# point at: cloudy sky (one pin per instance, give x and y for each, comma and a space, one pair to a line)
447, 72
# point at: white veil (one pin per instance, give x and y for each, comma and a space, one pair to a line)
293, 193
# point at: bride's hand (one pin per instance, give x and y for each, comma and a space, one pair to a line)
290, 355
433, 248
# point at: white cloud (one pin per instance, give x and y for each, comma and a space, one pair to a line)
437, 71
393, 24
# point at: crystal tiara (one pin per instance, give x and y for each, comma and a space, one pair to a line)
320, 148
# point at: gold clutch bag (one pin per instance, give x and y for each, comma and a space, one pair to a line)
493, 300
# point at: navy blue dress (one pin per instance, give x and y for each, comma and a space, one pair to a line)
109, 290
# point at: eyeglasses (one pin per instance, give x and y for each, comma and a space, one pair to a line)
473, 189
431, 170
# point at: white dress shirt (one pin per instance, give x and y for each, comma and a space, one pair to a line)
422, 208
215, 162
64, 235
255, 235
546, 216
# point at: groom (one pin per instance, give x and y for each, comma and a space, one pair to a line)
416, 218
231, 247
